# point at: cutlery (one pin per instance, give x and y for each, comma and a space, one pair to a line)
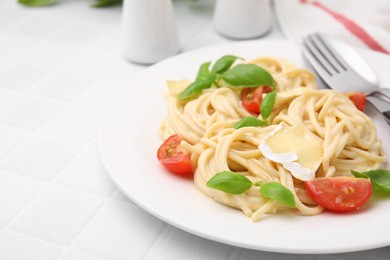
343, 69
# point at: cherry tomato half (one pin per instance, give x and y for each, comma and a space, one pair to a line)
174, 157
251, 98
359, 99
340, 193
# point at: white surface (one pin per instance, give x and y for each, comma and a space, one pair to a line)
128, 141
67, 59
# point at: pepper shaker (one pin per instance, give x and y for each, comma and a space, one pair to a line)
242, 19
149, 31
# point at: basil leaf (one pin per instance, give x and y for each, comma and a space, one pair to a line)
248, 75
359, 174
258, 183
194, 89
223, 64
104, 3
37, 2
229, 182
276, 191
380, 179
268, 104
204, 72
249, 121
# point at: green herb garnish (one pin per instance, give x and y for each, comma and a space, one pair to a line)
235, 183
242, 75
276, 191
380, 179
195, 88
267, 104
98, 3
105, 3
223, 64
249, 121
204, 73
229, 182
37, 2
248, 75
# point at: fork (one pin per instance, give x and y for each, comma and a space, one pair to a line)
339, 74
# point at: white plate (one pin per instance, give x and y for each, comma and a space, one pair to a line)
128, 141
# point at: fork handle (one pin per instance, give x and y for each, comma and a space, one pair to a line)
387, 116
382, 106
384, 92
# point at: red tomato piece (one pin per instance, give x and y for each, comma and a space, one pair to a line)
174, 157
359, 99
340, 194
251, 98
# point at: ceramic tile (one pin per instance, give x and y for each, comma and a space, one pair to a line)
9, 138
114, 234
28, 111
178, 244
10, 76
77, 31
205, 37
13, 44
118, 195
64, 85
377, 254
125, 69
48, 53
17, 247
80, 256
6, 96
37, 26
89, 59
253, 255
108, 38
76, 122
15, 193
86, 172
101, 92
7, 19
57, 215
40, 157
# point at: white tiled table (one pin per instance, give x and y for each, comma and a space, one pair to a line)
59, 67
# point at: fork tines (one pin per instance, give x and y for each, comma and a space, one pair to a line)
322, 54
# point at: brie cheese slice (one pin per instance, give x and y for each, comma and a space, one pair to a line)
296, 148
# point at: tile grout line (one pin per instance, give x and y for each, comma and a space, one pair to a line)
53, 183
166, 231
37, 238
107, 203
63, 166
71, 246
30, 134
236, 253
45, 185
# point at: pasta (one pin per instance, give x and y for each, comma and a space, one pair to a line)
348, 136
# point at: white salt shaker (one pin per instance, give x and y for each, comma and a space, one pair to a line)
149, 31
242, 19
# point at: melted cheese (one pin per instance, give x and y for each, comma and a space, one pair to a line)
296, 148
177, 86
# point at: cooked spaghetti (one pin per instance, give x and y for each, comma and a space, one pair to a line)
347, 136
